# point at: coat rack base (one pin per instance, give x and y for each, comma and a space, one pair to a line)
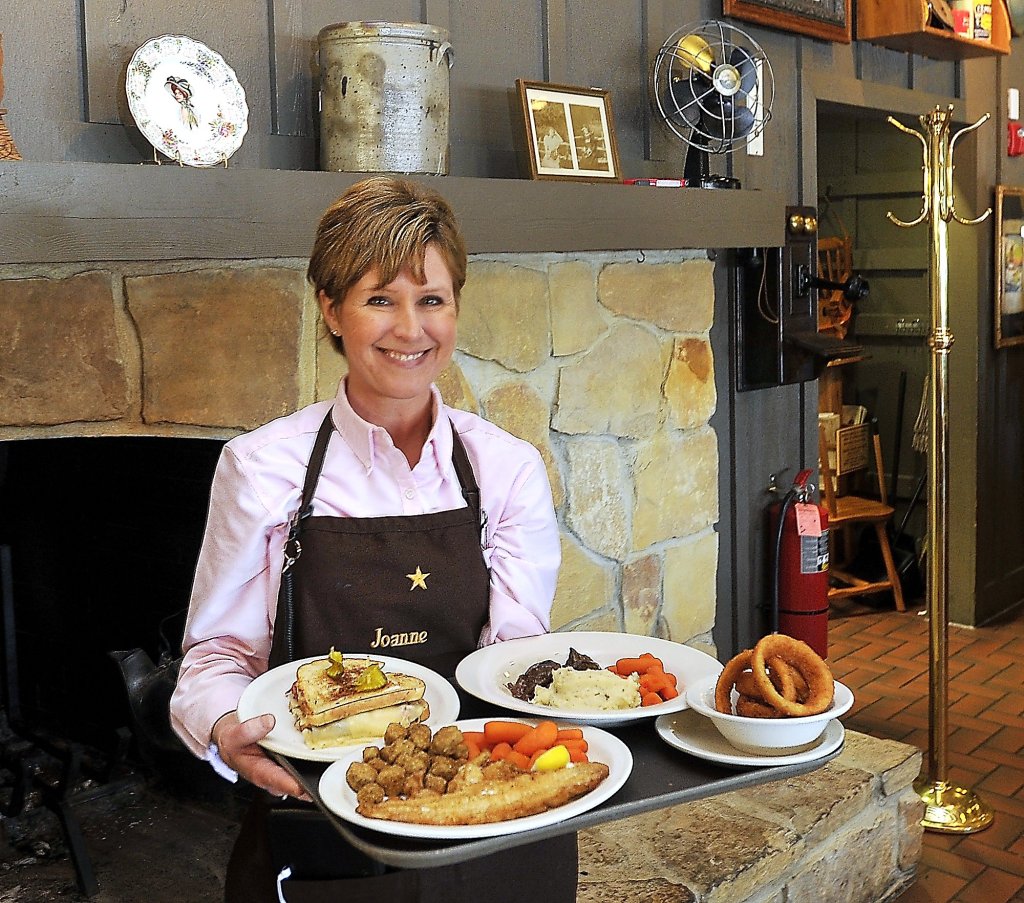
952, 810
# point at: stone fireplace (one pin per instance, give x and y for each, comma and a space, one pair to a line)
603, 362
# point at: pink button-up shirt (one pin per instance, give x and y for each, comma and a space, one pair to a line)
256, 490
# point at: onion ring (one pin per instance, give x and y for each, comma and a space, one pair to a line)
811, 666
782, 672
751, 707
785, 678
727, 679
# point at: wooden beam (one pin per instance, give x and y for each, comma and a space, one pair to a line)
68, 212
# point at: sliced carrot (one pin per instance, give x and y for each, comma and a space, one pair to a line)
500, 751
668, 693
627, 666
577, 755
505, 732
569, 733
476, 737
575, 744
519, 760
542, 736
653, 682
650, 699
472, 746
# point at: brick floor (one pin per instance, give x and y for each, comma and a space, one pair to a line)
882, 655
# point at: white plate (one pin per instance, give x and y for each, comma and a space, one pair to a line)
269, 693
694, 734
186, 100
602, 747
486, 672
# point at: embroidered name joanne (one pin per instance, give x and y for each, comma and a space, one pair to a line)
410, 638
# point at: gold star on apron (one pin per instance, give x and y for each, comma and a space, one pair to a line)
418, 579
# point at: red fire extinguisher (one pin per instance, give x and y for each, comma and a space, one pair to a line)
800, 566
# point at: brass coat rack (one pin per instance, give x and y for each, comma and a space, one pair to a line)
948, 808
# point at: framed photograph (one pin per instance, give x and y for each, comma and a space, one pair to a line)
569, 132
825, 19
1009, 266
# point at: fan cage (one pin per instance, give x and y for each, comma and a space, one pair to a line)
722, 39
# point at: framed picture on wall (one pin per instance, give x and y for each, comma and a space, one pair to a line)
569, 132
825, 19
1009, 266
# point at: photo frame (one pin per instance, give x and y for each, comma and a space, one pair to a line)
829, 20
570, 133
1009, 266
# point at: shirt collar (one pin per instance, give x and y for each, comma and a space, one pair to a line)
363, 437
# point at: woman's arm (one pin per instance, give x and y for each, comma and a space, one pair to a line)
234, 596
524, 552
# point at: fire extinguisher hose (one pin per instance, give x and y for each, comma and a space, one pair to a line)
787, 503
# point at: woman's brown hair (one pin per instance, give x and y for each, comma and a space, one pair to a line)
384, 224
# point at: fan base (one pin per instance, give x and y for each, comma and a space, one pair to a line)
715, 182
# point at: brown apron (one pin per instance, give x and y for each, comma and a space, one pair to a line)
413, 587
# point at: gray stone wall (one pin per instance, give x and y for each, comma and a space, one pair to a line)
602, 362
849, 832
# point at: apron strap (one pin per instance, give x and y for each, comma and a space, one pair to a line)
467, 479
315, 465
293, 547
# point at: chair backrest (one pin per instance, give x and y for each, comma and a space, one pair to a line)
849, 454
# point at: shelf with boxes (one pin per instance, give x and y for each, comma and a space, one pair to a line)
910, 26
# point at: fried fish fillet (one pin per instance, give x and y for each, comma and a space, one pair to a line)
490, 801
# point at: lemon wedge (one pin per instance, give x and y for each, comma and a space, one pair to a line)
555, 758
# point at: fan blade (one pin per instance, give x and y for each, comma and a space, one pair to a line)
733, 122
682, 101
743, 62
694, 53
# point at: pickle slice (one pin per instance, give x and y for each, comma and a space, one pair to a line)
337, 666
372, 678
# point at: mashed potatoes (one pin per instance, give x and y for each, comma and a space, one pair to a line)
601, 690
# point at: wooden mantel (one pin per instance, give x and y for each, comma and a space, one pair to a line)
79, 212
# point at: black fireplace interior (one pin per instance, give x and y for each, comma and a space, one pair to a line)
103, 535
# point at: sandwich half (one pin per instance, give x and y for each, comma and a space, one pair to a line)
332, 708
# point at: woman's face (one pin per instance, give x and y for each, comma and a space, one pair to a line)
398, 337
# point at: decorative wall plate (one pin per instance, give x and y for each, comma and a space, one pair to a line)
186, 100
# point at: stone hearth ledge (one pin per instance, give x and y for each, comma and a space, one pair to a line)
849, 832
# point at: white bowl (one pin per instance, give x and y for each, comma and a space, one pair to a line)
766, 736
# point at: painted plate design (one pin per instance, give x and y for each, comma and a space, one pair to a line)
186, 100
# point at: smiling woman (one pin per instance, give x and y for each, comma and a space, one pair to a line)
397, 339
403, 523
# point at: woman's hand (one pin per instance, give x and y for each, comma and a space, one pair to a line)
238, 747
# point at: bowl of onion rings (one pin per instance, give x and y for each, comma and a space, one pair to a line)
774, 699
767, 736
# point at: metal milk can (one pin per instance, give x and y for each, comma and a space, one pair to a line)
384, 97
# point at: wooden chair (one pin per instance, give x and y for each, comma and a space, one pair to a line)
848, 513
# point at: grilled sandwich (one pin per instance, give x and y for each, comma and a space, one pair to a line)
336, 701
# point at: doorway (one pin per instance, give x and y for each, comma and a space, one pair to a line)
865, 168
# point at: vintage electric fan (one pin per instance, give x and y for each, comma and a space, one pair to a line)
712, 86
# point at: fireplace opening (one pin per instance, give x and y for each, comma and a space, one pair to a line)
103, 535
